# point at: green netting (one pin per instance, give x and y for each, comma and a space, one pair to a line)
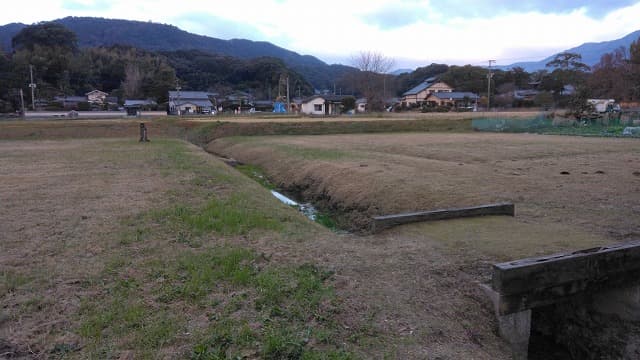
511, 125
604, 125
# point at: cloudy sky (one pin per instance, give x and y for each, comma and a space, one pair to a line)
413, 32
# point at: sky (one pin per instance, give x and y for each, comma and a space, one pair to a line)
412, 32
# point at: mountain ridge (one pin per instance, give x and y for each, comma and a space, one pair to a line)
590, 52
92, 32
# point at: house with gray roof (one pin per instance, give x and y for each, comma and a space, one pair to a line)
418, 94
191, 102
456, 99
134, 106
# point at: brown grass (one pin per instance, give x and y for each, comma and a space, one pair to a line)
408, 293
586, 183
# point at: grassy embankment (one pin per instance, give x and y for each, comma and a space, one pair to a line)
177, 279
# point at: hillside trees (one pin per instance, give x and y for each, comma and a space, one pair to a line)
46, 35
617, 75
60, 68
261, 76
634, 60
49, 48
612, 76
371, 79
568, 70
466, 78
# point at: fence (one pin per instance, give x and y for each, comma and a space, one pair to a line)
547, 123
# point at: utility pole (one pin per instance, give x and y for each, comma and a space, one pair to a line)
32, 85
489, 76
288, 100
178, 88
24, 115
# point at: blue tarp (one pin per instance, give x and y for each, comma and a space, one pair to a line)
279, 107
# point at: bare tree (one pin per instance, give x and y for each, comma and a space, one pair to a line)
371, 61
372, 78
133, 81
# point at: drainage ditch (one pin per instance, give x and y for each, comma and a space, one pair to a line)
312, 212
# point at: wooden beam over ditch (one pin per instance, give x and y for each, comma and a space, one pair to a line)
528, 283
387, 221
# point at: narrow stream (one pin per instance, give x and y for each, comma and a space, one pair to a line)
306, 208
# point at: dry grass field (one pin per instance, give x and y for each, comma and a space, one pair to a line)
115, 249
588, 184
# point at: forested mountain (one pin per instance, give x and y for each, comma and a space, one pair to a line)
261, 76
50, 52
97, 32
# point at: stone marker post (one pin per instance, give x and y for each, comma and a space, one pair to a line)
143, 133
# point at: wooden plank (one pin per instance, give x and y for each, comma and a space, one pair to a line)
383, 222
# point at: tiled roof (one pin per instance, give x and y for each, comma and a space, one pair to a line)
203, 103
138, 102
416, 90
455, 95
201, 95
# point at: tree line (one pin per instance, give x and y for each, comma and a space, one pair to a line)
50, 53
565, 82
60, 68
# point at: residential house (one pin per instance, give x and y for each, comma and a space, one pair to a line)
455, 99
71, 102
191, 102
323, 104
133, 107
96, 97
361, 105
526, 95
419, 93
262, 105
296, 105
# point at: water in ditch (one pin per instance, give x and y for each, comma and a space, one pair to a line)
310, 211
306, 208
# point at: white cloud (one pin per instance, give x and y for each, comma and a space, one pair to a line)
412, 31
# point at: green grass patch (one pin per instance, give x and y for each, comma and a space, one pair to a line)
235, 215
122, 315
257, 174
326, 220
194, 275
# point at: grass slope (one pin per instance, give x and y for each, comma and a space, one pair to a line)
172, 276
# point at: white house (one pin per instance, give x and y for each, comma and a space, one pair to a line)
96, 97
361, 105
323, 105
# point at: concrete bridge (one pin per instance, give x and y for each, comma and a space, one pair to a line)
609, 275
